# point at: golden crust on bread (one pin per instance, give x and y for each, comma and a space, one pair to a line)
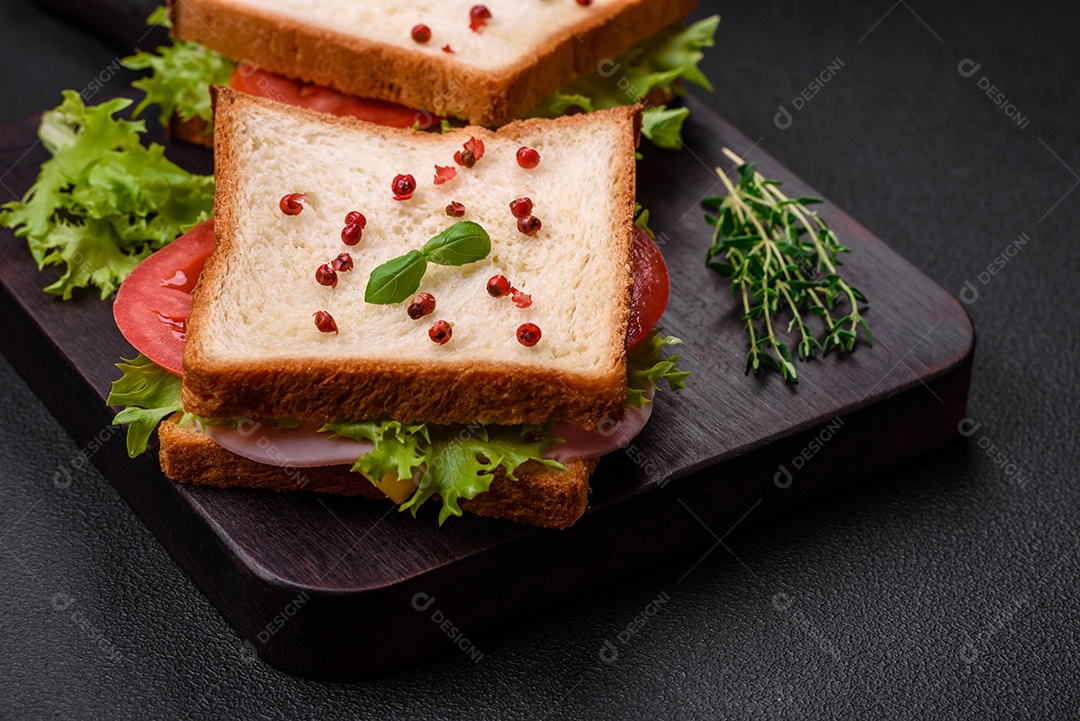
438, 84
195, 131
410, 391
541, 496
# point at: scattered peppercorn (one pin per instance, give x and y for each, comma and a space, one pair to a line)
423, 304
421, 33
351, 234
403, 186
478, 17
521, 208
325, 275
528, 158
290, 203
528, 334
325, 322
498, 286
464, 157
530, 225
472, 150
342, 263
440, 332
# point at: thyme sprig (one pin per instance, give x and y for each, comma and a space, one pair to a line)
781, 257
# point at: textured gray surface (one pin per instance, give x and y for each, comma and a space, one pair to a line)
947, 588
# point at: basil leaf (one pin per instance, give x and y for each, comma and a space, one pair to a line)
397, 279
461, 243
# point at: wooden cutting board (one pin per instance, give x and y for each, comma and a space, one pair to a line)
337, 588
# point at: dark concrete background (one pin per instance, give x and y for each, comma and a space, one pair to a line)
945, 589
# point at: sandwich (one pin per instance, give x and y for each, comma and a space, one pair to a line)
367, 314
429, 65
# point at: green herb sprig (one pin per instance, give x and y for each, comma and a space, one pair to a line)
781, 257
397, 279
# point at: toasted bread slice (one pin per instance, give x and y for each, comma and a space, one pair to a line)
524, 52
540, 496
253, 349
195, 131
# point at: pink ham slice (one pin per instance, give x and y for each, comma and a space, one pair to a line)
609, 437
300, 447
305, 447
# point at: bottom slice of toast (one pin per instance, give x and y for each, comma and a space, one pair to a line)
196, 131
541, 496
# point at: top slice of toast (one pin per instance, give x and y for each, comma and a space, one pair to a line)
526, 50
253, 348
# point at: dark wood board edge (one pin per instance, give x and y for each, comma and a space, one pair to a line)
649, 527
320, 644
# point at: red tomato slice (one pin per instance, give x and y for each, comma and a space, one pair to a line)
327, 100
153, 303
651, 287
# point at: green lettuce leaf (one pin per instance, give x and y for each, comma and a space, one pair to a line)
397, 447
459, 462
87, 259
646, 368
663, 126
641, 220
180, 76
657, 66
103, 201
150, 393
160, 16
455, 462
